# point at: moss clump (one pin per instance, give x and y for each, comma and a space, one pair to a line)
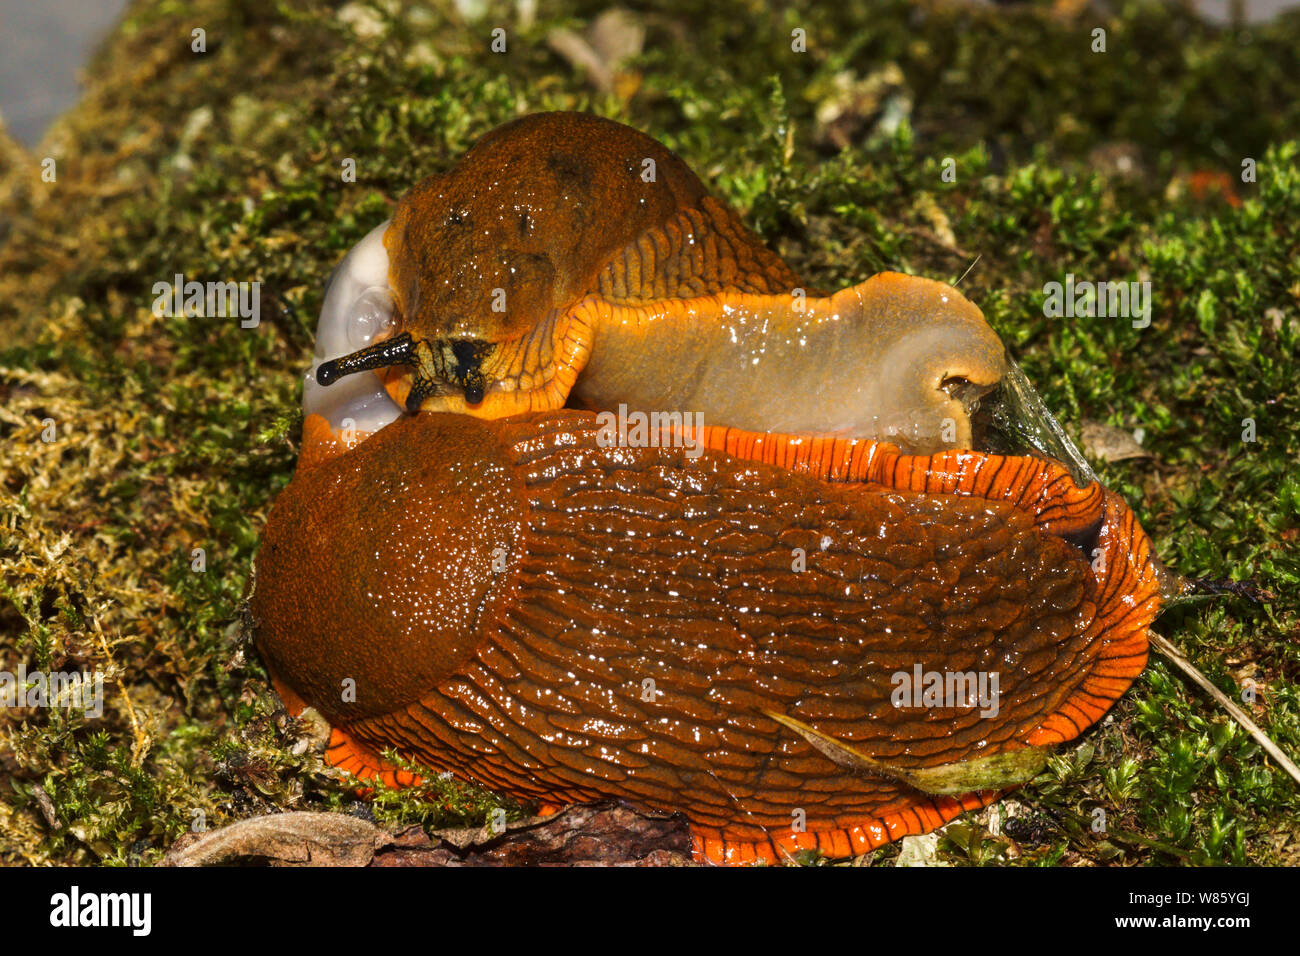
173, 434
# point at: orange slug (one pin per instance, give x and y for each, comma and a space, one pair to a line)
565, 619
836, 592
545, 269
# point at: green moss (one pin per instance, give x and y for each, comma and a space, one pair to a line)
176, 433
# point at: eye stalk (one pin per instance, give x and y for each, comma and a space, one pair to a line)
451, 361
399, 350
468, 356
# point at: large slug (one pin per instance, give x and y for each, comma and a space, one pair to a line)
467, 572
561, 619
545, 265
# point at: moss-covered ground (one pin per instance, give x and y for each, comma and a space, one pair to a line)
172, 434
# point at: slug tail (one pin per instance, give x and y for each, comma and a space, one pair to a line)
1125, 572
1128, 600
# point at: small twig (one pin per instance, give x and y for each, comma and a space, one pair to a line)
141, 742
923, 233
1240, 716
296, 838
1245, 589
46, 806
968, 269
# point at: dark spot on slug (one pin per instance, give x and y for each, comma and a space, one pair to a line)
469, 355
1085, 539
570, 169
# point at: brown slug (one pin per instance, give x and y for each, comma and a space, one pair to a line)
544, 267
565, 619
715, 618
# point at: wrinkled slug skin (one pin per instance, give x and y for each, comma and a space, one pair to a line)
552, 206
500, 592
541, 212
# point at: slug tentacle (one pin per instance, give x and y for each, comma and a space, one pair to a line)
399, 350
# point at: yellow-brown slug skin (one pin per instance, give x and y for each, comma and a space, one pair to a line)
402, 605
570, 260
525, 605
550, 207
540, 212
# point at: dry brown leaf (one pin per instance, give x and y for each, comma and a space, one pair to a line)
1108, 443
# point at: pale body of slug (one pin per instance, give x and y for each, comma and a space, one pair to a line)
543, 271
357, 307
872, 361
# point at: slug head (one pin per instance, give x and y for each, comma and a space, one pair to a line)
485, 259
897, 358
934, 359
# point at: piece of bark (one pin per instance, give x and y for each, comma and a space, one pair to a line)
595, 835
282, 839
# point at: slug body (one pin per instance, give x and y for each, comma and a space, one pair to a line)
738, 618
567, 257
873, 361
564, 620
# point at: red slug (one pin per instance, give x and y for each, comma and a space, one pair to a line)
766, 618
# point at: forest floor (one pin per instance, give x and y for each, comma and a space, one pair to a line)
132, 441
